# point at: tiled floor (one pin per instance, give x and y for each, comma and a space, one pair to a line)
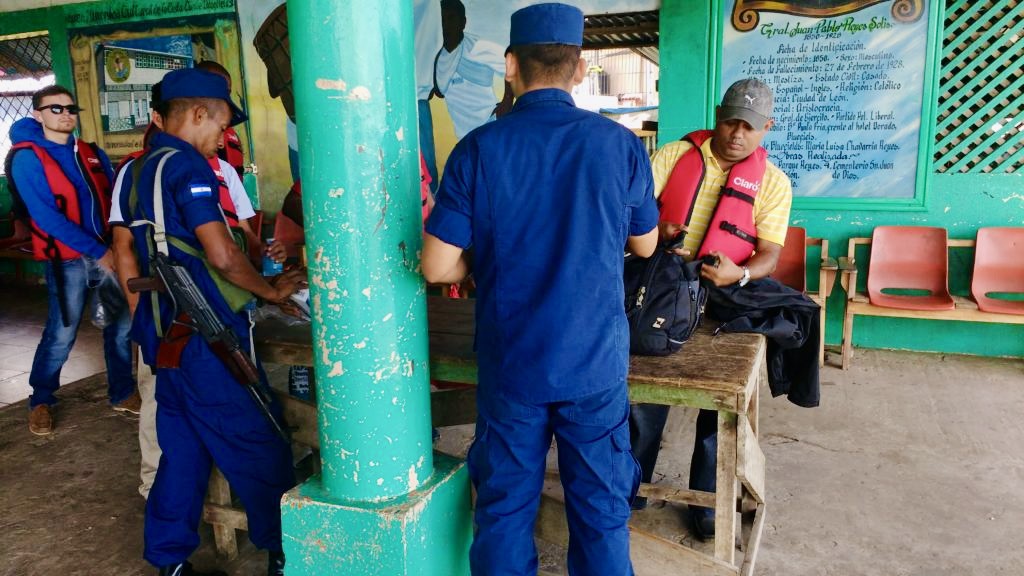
22, 316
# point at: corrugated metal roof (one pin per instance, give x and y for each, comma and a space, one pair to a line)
626, 30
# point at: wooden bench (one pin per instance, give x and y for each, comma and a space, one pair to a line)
717, 372
859, 304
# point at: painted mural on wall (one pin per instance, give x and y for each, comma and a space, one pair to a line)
460, 67
120, 48
848, 83
129, 74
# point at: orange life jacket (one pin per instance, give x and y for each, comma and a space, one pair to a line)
731, 230
45, 246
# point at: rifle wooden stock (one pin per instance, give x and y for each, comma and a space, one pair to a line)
171, 348
145, 284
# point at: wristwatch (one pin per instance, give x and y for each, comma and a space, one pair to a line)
746, 277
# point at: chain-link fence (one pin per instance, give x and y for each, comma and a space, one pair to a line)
25, 66
12, 107
981, 89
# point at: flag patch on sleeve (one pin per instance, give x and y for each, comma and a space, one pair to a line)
200, 190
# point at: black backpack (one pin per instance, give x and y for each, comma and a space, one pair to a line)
664, 301
18, 208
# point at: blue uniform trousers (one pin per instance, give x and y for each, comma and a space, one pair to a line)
599, 475
203, 416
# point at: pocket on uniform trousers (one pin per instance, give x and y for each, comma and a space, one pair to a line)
627, 468
243, 421
473, 456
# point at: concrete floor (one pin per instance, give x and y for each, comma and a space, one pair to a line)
913, 465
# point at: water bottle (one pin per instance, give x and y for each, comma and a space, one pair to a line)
271, 267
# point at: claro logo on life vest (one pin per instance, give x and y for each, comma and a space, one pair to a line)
742, 183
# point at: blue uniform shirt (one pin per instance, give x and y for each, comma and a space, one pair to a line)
547, 196
190, 199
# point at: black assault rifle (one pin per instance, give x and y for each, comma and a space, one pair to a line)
192, 313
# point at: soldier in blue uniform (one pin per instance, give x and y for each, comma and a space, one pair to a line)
548, 197
204, 415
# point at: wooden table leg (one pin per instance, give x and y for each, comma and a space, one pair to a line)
725, 491
224, 538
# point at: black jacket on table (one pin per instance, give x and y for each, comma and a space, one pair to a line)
790, 321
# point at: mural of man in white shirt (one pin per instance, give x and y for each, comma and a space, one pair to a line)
464, 71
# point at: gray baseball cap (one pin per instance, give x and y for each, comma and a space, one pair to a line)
749, 100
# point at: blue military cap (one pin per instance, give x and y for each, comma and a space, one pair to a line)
192, 83
550, 23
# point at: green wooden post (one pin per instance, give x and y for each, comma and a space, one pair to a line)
384, 503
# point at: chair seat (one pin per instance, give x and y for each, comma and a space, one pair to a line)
986, 304
931, 302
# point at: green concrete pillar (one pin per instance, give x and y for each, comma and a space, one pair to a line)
384, 503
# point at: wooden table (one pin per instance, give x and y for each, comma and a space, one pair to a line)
717, 372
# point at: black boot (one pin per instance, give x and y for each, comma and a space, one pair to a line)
185, 569
275, 564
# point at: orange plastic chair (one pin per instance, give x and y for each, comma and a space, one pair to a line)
791, 269
998, 267
909, 258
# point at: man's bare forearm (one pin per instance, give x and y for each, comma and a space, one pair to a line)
126, 264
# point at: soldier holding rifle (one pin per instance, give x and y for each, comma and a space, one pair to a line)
193, 325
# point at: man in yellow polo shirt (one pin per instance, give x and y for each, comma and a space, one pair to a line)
734, 205
743, 120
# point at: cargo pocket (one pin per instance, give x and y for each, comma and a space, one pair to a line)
627, 470
473, 456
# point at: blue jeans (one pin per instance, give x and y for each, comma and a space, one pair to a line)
82, 278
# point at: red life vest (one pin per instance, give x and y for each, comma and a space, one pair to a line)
232, 151
44, 246
731, 230
227, 205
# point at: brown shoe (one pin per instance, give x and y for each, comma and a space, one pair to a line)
131, 404
40, 421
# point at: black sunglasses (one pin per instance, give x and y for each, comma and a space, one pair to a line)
59, 109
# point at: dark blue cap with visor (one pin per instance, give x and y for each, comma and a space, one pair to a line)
192, 83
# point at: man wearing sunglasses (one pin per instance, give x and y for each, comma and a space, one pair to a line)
64, 184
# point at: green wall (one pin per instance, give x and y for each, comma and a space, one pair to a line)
961, 203
43, 19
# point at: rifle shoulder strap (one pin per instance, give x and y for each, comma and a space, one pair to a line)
237, 298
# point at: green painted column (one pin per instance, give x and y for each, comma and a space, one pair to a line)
356, 119
384, 502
